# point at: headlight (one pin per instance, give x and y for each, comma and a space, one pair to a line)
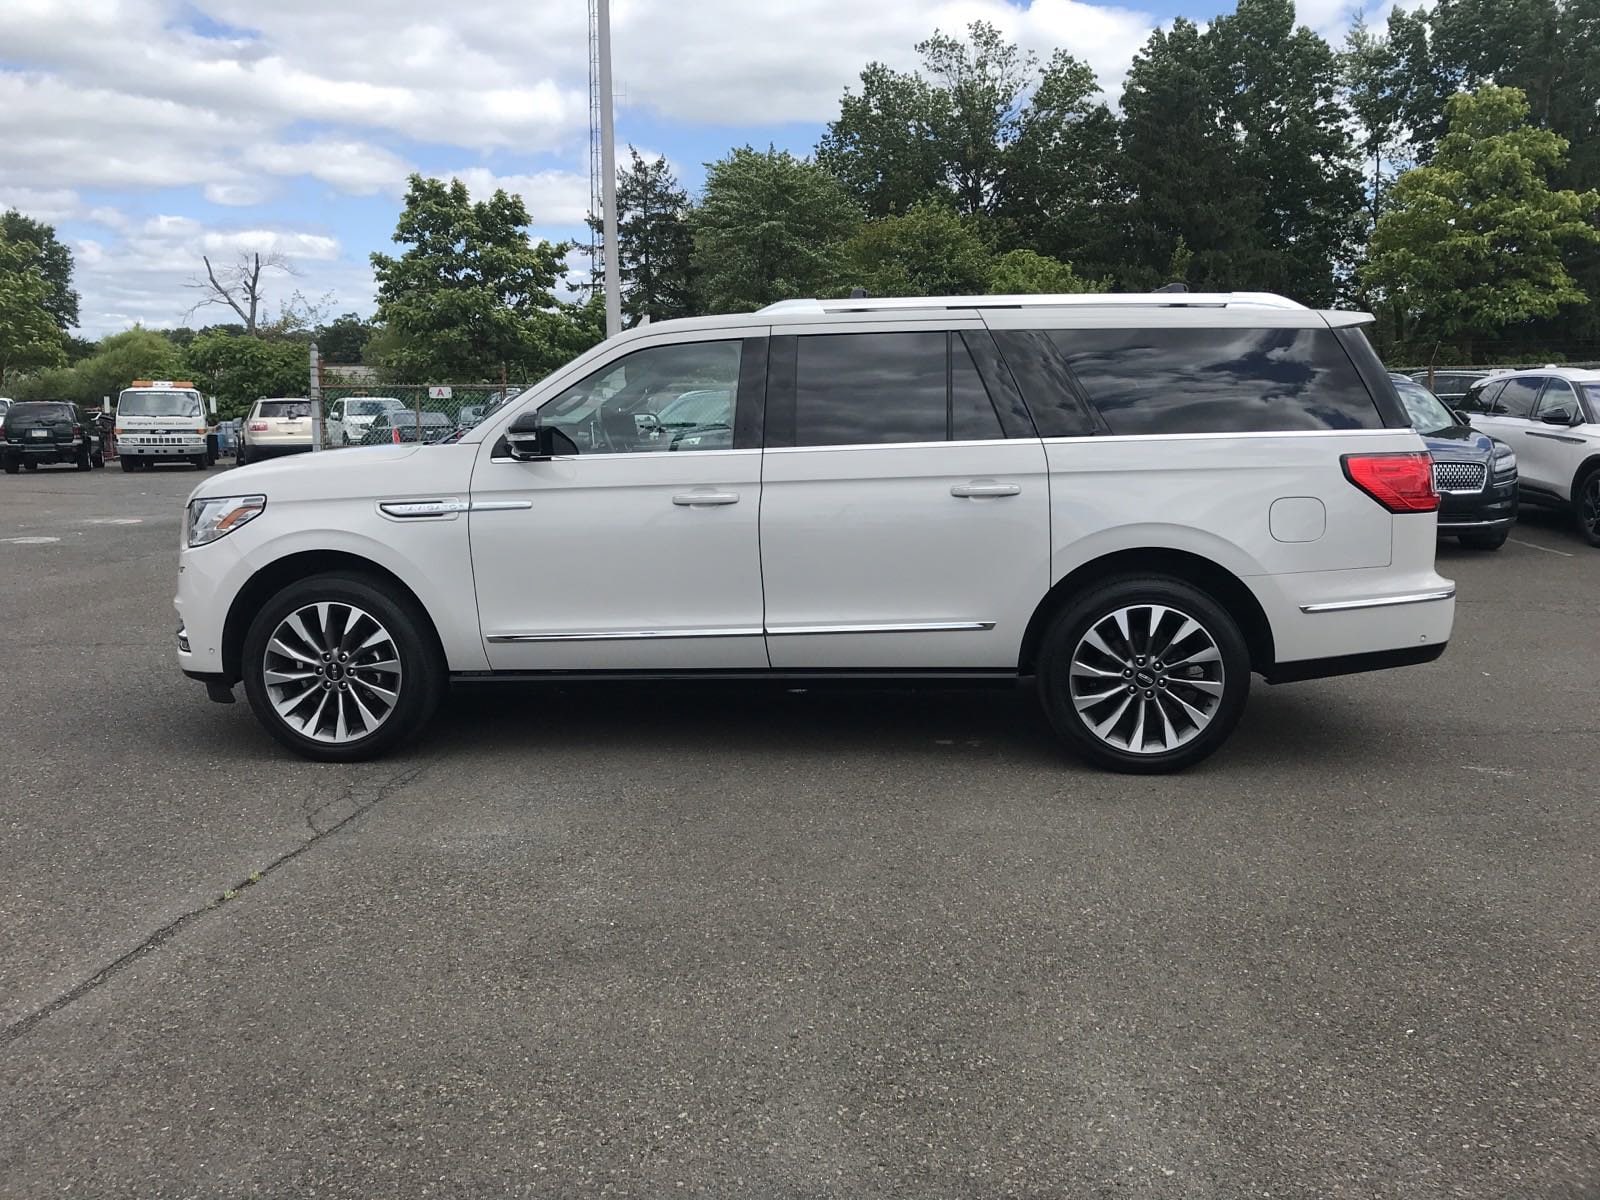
1505, 459
218, 516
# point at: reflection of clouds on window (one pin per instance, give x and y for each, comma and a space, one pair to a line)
1154, 381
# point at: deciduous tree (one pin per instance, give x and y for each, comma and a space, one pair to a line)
1473, 242
769, 227
53, 260
29, 335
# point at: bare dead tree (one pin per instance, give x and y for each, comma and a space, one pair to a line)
239, 285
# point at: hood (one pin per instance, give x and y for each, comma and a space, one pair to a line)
1460, 442
331, 472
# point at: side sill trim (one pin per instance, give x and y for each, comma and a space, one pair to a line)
624, 635
1448, 593
627, 635
893, 627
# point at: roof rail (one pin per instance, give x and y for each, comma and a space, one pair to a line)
1075, 300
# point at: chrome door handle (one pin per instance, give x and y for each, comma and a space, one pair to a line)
708, 497
979, 491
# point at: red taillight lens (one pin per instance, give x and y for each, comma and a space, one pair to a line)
1402, 483
396, 436
258, 426
77, 431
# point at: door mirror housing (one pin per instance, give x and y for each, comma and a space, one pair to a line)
1559, 416
528, 441
1462, 416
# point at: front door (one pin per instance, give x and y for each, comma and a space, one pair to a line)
1551, 451
637, 550
900, 527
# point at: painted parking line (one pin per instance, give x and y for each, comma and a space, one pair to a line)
29, 541
1536, 546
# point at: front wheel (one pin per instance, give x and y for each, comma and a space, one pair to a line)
339, 670
1586, 500
1144, 675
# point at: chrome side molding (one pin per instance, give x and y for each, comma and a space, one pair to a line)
1381, 601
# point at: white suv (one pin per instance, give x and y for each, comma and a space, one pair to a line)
1551, 418
1135, 501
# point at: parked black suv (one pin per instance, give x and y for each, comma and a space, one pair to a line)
1474, 474
50, 431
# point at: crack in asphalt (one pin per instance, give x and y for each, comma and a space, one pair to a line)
23, 1025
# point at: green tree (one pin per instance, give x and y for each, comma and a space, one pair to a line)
655, 243
884, 146
769, 227
984, 128
29, 335
238, 371
1180, 169
118, 360
1024, 273
472, 290
52, 259
1473, 241
1278, 88
927, 252
344, 339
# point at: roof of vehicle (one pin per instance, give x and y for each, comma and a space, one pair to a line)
1572, 374
1176, 308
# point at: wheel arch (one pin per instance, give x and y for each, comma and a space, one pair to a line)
1217, 581
280, 573
1589, 464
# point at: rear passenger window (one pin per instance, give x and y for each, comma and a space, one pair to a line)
880, 388
1480, 397
1167, 381
1517, 398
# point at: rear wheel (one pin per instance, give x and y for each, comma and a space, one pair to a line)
1144, 675
83, 462
339, 670
13, 467
98, 459
1487, 539
1586, 500
242, 456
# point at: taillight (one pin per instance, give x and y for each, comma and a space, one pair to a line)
77, 431
1402, 483
258, 426
395, 438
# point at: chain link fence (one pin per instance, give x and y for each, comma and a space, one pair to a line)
372, 413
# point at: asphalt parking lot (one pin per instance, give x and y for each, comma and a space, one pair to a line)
728, 941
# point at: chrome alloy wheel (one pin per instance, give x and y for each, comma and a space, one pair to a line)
332, 672
1146, 679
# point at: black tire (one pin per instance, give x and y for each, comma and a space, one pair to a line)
13, 467
127, 464
1486, 539
422, 679
98, 459
241, 456
1214, 684
1586, 506
200, 461
83, 462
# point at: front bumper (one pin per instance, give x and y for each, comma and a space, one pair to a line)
1493, 508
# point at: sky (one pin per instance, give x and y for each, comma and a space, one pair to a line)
152, 132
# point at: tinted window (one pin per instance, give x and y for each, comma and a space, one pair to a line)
1517, 398
972, 415
284, 408
1481, 396
870, 389
38, 410
1165, 381
1040, 369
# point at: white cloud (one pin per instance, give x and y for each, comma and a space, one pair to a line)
355, 167
553, 197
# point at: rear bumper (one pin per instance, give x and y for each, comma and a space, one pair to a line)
1352, 664
275, 449
43, 452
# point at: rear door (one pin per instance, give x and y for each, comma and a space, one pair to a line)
1510, 418
904, 514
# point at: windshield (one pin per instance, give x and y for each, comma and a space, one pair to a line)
1591, 393
1427, 412
159, 404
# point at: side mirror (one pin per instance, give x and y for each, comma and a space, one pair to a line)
529, 441
1559, 416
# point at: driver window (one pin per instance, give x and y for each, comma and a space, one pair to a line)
661, 399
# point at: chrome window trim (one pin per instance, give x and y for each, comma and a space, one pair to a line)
1258, 433
1448, 593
